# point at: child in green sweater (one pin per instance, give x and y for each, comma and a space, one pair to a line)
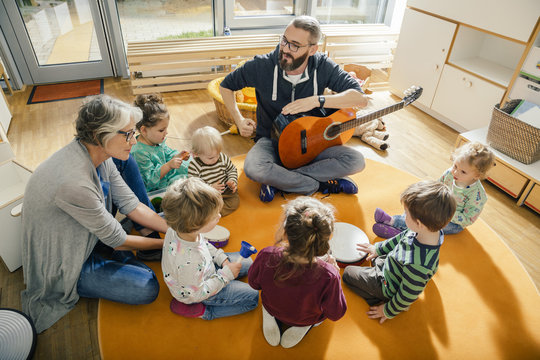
404, 264
472, 161
159, 164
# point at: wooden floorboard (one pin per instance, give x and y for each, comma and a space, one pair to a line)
419, 144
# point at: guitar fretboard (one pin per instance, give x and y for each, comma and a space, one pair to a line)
348, 125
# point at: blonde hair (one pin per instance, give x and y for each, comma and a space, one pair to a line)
190, 204
430, 202
206, 140
476, 154
153, 110
308, 225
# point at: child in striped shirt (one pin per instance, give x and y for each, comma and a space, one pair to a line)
472, 161
214, 167
404, 264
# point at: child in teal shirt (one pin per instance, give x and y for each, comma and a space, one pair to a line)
159, 164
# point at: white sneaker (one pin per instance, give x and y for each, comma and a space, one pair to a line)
270, 328
293, 335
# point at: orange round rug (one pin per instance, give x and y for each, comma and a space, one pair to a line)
481, 304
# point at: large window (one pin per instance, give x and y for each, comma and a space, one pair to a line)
351, 11
143, 20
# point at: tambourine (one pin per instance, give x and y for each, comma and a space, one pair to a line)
218, 236
343, 244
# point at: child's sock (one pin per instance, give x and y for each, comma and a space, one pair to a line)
382, 217
294, 335
187, 310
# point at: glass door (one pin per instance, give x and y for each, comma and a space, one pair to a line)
61, 40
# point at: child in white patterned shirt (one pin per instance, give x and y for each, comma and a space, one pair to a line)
214, 167
200, 277
472, 161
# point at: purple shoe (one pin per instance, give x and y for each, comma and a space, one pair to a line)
382, 217
385, 231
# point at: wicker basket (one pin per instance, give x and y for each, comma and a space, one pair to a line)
247, 110
513, 137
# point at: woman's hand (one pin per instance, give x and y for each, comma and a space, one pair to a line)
368, 248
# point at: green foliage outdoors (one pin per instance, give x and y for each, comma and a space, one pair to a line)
188, 35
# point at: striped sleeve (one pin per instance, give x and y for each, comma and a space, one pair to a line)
384, 247
230, 169
413, 280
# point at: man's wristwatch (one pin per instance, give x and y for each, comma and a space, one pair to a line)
322, 99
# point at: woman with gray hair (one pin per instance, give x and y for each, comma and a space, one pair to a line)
67, 210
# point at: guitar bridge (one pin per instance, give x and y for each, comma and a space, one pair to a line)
303, 141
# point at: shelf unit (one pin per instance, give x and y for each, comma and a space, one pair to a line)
463, 57
518, 180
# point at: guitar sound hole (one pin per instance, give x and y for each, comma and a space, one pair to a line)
332, 131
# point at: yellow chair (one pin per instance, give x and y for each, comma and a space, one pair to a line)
248, 110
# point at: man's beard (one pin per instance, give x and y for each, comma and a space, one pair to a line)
295, 64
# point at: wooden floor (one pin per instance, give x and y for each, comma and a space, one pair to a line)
419, 144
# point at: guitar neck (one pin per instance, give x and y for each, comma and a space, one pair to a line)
351, 124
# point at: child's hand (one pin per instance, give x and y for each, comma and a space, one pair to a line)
219, 186
331, 260
183, 155
376, 312
231, 185
174, 163
234, 266
369, 248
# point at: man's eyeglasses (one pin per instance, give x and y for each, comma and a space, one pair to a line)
129, 134
294, 48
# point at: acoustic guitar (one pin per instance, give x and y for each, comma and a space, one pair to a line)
301, 139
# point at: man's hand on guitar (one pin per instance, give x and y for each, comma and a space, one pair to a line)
246, 127
301, 105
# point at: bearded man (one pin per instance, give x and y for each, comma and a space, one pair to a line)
291, 80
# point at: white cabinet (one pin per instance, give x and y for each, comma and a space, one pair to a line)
464, 64
514, 19
422, 49
465, 99
5, 114
13, 180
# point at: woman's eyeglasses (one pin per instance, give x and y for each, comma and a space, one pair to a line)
129, 134
294, 48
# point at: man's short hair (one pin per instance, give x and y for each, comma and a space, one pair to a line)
430, 202
309, 24
189, 204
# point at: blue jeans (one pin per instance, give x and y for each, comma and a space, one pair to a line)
129, 170
235, 298
451, 228
122, 279
263, 166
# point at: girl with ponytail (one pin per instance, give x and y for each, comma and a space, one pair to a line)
299, 279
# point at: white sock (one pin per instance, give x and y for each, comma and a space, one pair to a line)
293, 335
270, 328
